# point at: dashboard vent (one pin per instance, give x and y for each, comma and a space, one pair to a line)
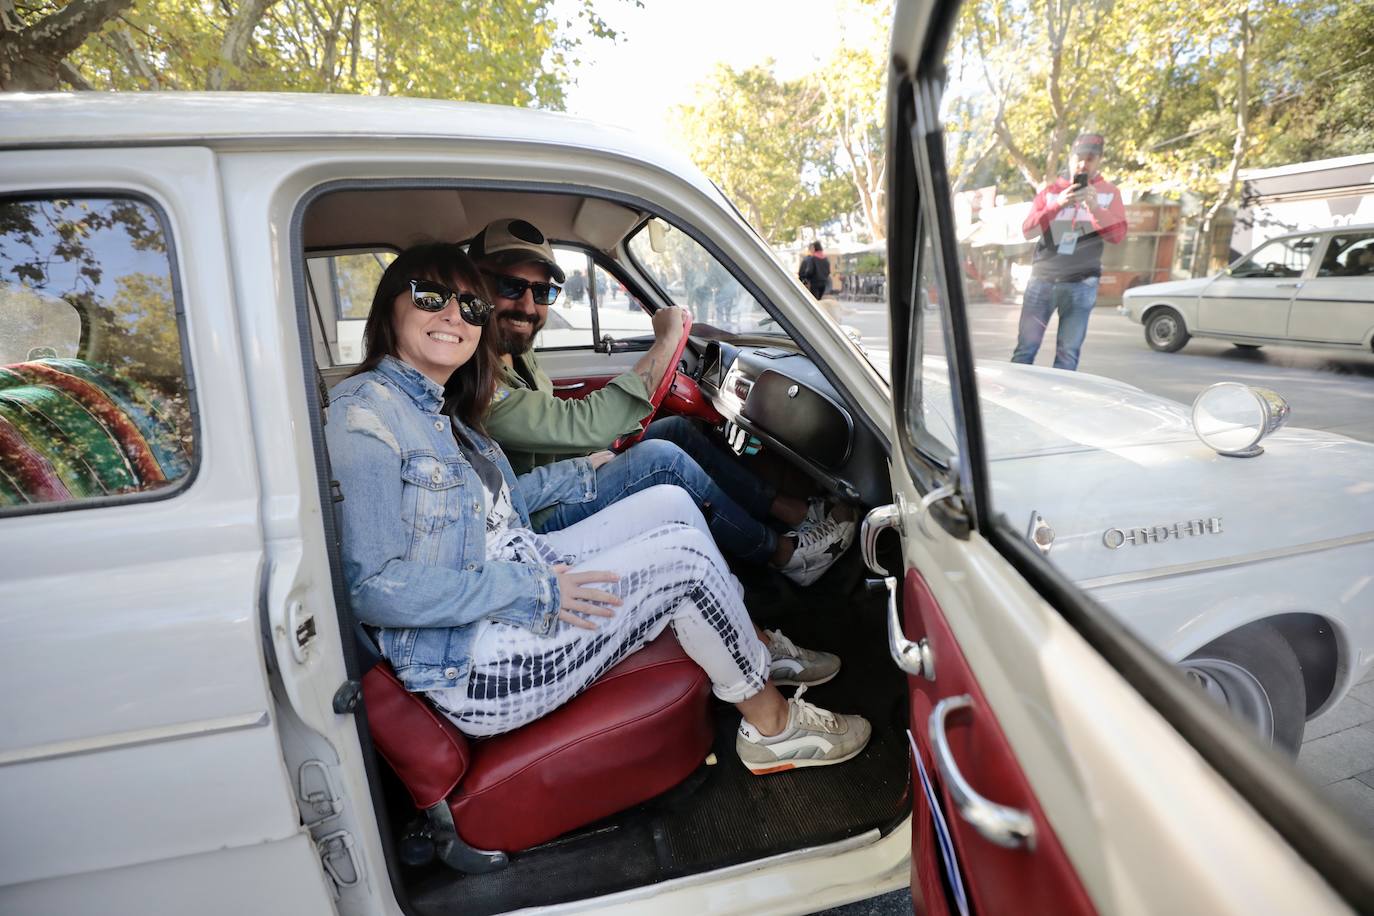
742, 387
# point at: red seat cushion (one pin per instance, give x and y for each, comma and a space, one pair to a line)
638, 731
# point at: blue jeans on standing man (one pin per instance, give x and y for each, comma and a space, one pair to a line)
675, 451
1073, 300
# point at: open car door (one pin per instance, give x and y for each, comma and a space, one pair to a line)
1059, 765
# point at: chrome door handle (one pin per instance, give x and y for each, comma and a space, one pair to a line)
573, 387
1288, 285
877, 521
912, 657
1010, 828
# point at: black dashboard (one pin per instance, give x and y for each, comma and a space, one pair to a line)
777, 394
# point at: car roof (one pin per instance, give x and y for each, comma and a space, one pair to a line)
1325, 230
224, 119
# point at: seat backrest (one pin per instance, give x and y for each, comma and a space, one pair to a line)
428, 754
69, 430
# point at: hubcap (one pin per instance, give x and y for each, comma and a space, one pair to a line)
1235, 688
1163, 329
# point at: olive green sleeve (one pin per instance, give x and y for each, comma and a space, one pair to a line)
536, 421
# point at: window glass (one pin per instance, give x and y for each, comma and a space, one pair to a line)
93, 395
588, 288
1228, 526
1279, 258
1349, 255
930, 407
695, 280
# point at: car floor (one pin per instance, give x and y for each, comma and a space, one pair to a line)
722, 814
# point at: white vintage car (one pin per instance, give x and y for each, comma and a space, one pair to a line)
193, 722
1312, 289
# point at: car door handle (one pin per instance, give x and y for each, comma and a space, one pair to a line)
1288, 285
875, 523
912, 657
573, 387
1010, 828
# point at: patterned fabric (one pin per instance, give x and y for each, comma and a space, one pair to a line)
69, 431
671, 574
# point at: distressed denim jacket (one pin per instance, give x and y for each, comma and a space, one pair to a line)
414, 525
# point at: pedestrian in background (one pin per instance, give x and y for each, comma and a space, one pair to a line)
815, 271
1069, 221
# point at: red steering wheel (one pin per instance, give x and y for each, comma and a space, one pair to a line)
659, 393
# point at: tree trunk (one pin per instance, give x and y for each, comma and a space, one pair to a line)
31, 57
238, 38
1203, 246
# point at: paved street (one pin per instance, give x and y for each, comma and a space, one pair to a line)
1326, 389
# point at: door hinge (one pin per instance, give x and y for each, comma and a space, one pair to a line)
319, 800
335, 491
301, 626
347, 696
339, 860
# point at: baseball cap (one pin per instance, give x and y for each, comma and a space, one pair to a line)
514, 241
1089, 143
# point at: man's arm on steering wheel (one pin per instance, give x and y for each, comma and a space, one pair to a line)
658, 360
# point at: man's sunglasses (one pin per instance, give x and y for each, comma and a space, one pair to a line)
508, 287
433, 297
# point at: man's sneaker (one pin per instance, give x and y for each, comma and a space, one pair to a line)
818, 546
793, 666
813, 737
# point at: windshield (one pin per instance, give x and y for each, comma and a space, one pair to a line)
693, 278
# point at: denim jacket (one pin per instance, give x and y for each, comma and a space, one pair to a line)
414, 525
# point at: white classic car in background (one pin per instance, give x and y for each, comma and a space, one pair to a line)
1311, 288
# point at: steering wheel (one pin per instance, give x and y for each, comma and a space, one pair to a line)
660, 392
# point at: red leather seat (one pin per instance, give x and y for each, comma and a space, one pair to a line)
638, 731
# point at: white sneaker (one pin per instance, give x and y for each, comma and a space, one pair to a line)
818, 547
793, 666
813, 737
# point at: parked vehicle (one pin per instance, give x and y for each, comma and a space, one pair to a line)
1311, 289
195, 723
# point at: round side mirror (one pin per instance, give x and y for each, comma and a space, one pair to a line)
1232, 418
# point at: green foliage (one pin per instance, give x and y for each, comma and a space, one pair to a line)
513, 52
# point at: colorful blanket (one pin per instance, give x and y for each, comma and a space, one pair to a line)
71, 431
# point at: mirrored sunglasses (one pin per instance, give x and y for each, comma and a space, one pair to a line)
430, 296
508, 287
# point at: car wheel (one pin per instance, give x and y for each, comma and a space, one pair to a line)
1255, 674
1239, 346
1164, 331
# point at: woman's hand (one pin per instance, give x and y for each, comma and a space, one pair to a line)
599, 458
574, 599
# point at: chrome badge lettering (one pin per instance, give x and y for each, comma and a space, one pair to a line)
1116, 538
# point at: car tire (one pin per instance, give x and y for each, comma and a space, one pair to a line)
1255, 674
1164, 331
1240, 346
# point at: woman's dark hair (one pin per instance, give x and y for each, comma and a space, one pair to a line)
469, 390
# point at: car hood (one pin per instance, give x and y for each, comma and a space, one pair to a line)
1190, 287
1092, 455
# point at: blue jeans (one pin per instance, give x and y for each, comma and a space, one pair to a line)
1073, 301
737, 530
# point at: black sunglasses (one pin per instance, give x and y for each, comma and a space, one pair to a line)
508, 287
433, 297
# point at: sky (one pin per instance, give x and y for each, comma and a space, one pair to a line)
668, 46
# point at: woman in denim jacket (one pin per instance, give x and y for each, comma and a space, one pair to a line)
496, 624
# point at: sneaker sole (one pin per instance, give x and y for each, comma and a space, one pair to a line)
790, 682
765, 769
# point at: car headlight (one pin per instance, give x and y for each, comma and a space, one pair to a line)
1232, 418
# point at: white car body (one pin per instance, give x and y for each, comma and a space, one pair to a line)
160, 766
1328, 301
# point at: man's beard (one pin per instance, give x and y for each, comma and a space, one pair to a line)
515, 339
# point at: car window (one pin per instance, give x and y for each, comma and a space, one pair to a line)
589, 289
1349, 255
1201, 467
930, 410
1279, 258
94, 400
692, 277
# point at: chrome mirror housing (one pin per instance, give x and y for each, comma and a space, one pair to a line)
1232, 418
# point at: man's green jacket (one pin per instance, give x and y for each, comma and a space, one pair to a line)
534, 427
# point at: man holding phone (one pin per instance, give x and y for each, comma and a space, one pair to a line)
1070, 219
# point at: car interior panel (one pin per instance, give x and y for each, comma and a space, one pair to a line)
636, 780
